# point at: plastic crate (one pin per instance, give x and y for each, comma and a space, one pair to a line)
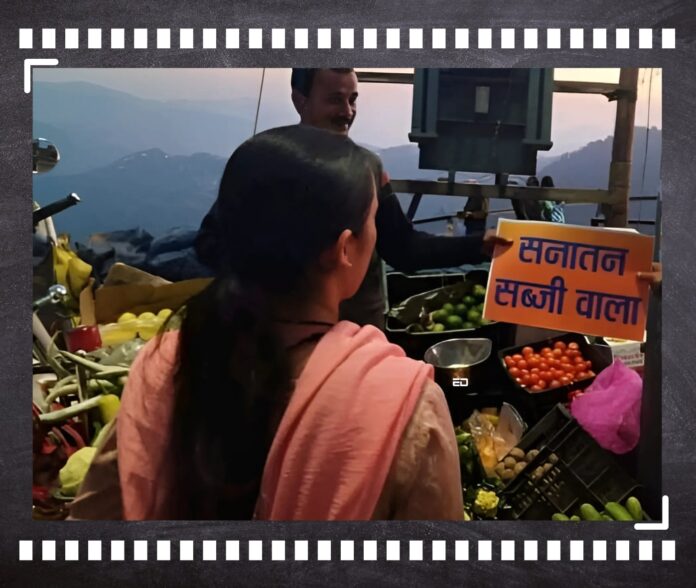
534, 405
583, 472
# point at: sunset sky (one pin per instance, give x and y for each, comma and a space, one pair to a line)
384, 110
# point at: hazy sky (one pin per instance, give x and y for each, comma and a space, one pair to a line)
384, 110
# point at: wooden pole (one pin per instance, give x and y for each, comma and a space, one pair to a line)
616, 213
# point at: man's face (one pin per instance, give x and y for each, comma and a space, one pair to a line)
332, 101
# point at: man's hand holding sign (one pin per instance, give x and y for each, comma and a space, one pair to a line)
578, 279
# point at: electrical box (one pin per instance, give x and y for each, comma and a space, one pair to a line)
482, 120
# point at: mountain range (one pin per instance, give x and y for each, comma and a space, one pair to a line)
107, 157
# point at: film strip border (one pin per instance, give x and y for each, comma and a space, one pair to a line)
397, 550
345, 38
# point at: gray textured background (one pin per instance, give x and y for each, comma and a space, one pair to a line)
679, 244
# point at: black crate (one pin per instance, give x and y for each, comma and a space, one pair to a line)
535, 405
583, 472
401, 286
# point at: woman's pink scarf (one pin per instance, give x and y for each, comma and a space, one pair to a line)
335, 443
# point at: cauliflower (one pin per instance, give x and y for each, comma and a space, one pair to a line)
486, 503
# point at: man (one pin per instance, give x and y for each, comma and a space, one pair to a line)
327, 98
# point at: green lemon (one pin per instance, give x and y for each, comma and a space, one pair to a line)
438, 327
473, 316
469, 300
449, 307
439, 316
468, 325
454, 322
479, 291
461, 309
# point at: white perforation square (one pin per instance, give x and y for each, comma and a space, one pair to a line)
48, 38
645, 38
439, 38
623, 38
232, 550
623, 550
48, 550
94, 550
393, 551
164, 38
599, 550
26, 550
668, 39
255, 550
186, 550
599, 38
324, 550
72, 550
415, 550
301, 39
461, 550
507, 38
577, 550
278, 38
94, 38
531, 550
369, 38
577, 38
301, 550
553, 550
209, 550
232, 38
347, 550
645, 550
531, 38
485, 550
439, 550
140, 550
461, 38
347, 39
323, 38
26, 38
393, 38
485, 38
415, 38
186, 38
255, 38
507, 551
278, 550
72, 38
370, 550
209, 38
553, 38
669, 551
139, 38
118, 550
164, 550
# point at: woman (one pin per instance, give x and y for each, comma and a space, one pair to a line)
262, 405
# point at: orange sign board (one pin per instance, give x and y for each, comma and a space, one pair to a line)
570, 278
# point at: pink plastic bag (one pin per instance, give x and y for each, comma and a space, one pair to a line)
610, 408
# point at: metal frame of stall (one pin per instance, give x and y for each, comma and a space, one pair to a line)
614, 206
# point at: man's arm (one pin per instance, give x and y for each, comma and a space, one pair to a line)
406, 249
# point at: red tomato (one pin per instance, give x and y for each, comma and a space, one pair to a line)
558, 374
533, 378
546, 376
565, 359
581, 375
554, 384
527, 351
536, 388
572, 353
533, 362
573, 345
568, 368
591, 374
559, 345
509, 361
534, 370
578, 359
565, 380
522, 364
557, 352
542, 384
546, 350
543, 366
514, 371
517, 357
526, 380
588, 365
524, 372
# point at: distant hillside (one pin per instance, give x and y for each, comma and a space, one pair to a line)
148, 189
93, 126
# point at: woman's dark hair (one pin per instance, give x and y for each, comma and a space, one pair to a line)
285, 197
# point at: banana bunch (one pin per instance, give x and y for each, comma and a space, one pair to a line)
70, 270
